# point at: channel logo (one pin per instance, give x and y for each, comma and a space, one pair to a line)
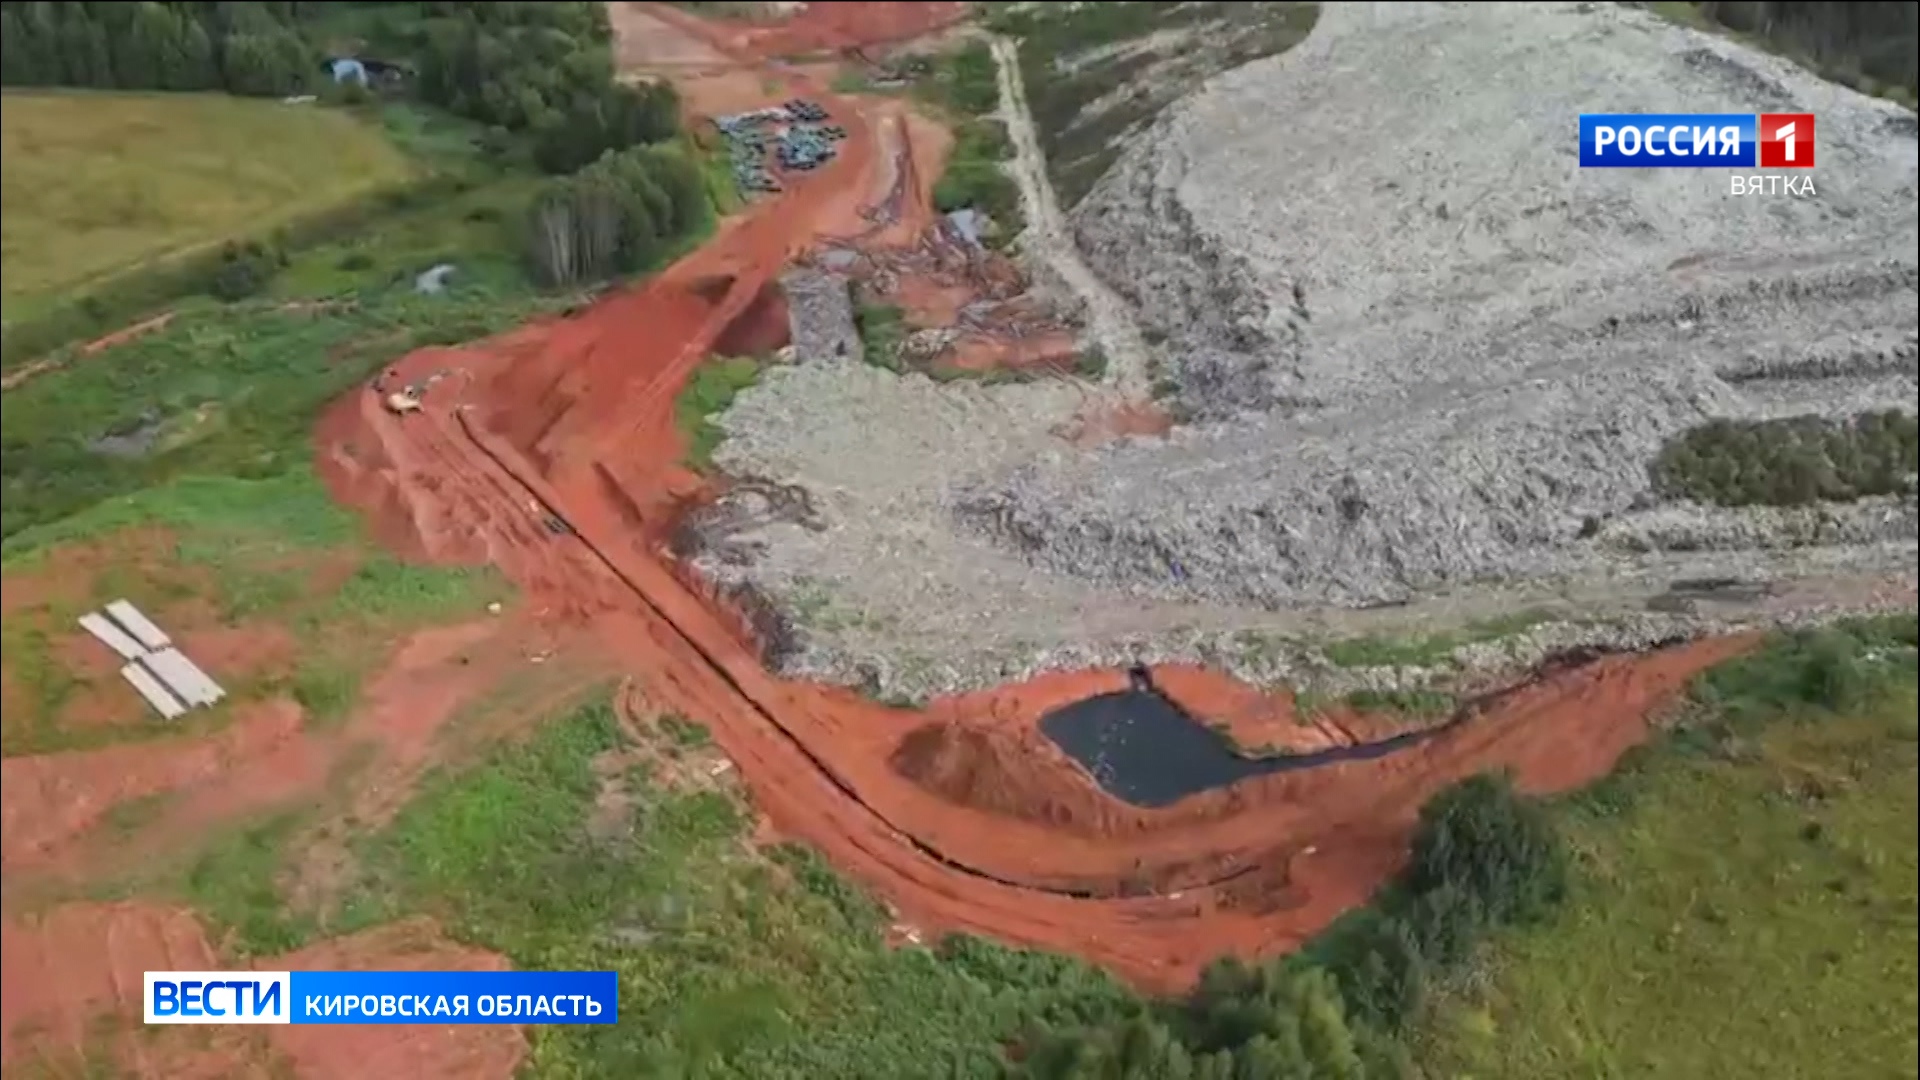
1696, 141
382, 997
219, 997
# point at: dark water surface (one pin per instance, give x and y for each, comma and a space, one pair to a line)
1140, 748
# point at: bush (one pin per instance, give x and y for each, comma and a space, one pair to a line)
544, 70
245, 270
1831, 668
1242, 1021
1482, 857
1873, 43
1791, 461
970, 80
1498, 854
614, 119
882, 328
1091, 363
974, 178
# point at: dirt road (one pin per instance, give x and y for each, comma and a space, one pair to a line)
1047, 238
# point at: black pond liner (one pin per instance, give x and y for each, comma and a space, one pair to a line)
1142, 749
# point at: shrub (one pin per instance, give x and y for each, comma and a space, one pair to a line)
1831, 668
1493, 849
967, 81
1482, 856
882, 328
1790, 461
245, 270
974, 178
1091, 364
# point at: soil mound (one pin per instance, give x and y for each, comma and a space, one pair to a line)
1017, 775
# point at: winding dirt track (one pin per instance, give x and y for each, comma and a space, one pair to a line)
1109, 320
963, 816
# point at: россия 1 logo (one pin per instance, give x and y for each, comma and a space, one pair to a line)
1696, 141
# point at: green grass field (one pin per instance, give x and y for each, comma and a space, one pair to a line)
1745, 907
223, 390
733, 962
99, 183
273, 552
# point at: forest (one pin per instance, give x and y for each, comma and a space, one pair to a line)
1869, 46
252, 49
615, 215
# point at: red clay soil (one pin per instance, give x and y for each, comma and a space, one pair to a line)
818, 27
422, 1050
266, 758
81, 963
48, 799
994, 831
963, 817
70, 983
1272, 722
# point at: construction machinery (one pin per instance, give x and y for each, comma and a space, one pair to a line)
402, 402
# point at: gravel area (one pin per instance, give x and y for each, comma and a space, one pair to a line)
1428, 362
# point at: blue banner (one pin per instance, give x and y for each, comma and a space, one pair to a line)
454, 997
1668, 140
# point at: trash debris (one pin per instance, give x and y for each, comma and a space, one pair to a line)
433, 281
795, 132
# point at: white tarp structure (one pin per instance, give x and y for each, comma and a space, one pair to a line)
162, 674
149, 687
138, 625
115, 638
183, 677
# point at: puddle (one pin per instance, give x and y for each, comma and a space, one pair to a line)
1140, 748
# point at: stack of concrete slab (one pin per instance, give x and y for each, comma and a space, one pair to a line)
155, 668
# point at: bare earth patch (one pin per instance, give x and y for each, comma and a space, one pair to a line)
70, 984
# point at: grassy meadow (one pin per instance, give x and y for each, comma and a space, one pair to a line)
275, 555
733, 962
1744, 905
98, 183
